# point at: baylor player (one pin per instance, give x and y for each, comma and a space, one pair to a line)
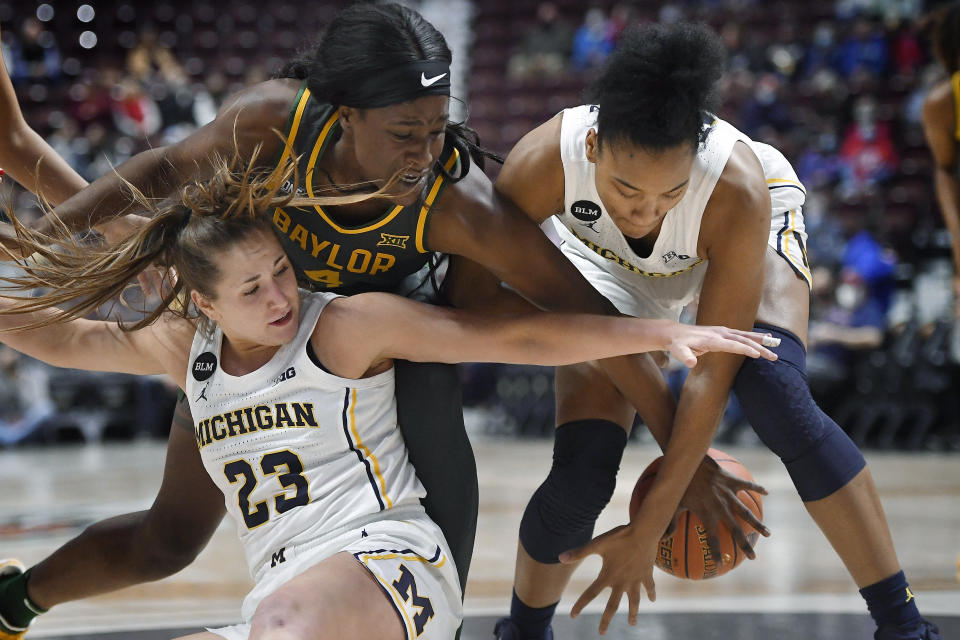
378, 253
941, 123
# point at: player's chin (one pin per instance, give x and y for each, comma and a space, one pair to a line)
282, 330
408, 188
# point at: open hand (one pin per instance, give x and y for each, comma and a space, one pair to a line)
628, 557
692, 341
712, 495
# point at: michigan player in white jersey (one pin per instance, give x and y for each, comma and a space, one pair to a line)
293, 402
659, 203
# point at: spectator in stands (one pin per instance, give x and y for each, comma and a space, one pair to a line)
23, 152
621, 16
818, 167
135, 113
941, 123
149, 58
865, 49
868, 154
854, 323
592, 43
546, 47
821, 53
36, 56
765, 111
24, 399
907, 53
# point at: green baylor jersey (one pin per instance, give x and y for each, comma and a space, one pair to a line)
374, 256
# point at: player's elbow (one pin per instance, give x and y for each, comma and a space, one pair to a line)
168, 556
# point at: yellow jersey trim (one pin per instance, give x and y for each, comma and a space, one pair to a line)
295, 126
321, 139
785, 181
428, 202
792, 231
366, 452
398, 603
955, 81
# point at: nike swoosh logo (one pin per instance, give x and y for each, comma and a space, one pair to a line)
425, 81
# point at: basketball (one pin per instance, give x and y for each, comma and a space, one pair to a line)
686, 553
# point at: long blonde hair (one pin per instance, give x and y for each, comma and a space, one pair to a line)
184, 233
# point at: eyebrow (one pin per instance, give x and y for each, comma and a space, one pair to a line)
627, 184
257, 277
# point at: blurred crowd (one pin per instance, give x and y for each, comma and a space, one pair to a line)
837, 85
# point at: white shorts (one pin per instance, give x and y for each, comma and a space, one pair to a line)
408, 558
643, 296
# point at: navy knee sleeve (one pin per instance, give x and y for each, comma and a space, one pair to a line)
562, 512
776, 400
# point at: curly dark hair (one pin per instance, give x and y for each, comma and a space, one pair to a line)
657, 85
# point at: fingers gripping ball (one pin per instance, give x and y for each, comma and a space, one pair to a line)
686, 553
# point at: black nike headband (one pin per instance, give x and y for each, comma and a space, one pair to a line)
408, 81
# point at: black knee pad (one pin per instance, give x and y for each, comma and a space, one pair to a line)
562, 512
776, 400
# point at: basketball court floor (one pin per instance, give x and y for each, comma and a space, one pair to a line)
796, 589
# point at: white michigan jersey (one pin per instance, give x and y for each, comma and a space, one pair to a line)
298, 452
661, 284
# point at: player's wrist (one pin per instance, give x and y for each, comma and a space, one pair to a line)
17, 608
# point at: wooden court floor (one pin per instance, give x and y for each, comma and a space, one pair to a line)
795, 589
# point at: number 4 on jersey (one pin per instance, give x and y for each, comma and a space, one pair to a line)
328, 277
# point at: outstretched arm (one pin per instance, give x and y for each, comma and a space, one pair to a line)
97, 345
143, 546
373, 328
245, 121
26, 157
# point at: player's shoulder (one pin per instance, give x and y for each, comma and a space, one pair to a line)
939, 107
532, 175
539, 147
742, 186
265, 103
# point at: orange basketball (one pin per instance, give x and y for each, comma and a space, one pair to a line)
686, 553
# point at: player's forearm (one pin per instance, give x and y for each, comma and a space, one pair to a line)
641, 382
701, 404
108, 196
109, 555
34, 164
572, 338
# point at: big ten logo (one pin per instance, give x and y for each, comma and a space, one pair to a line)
286, 375
332, 255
